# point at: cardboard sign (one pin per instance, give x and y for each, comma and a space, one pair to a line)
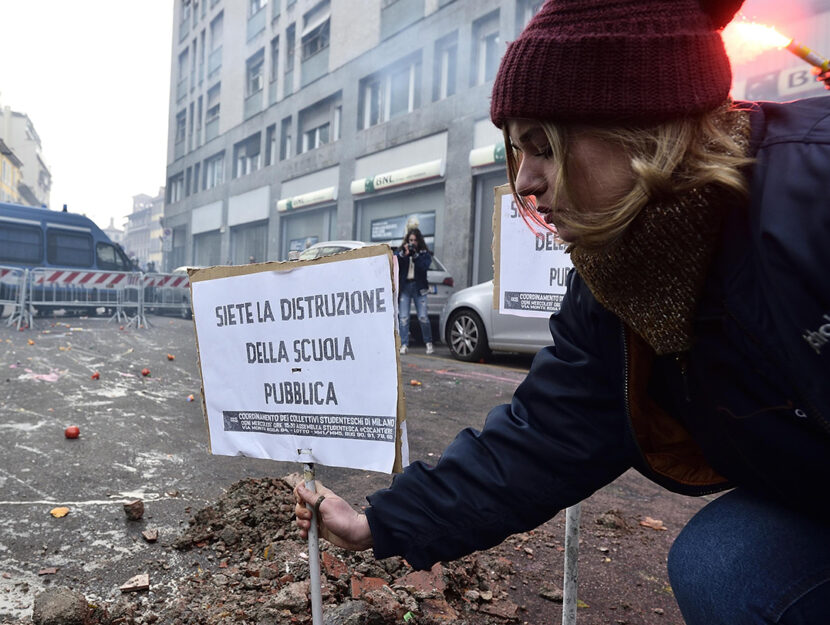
530, 267
303, 355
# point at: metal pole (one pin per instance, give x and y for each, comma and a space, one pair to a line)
313, 551
571, 581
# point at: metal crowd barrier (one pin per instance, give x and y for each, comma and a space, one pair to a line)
13, 291
164, 292
126, 296
83, 289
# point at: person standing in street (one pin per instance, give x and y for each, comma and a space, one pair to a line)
414, 259
693, 343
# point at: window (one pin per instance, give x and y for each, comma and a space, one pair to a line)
316, 24
175, 188
215, 57
290, 43
285, 139
181, 84
275, 58
216, 32
253, 71
181, 125
271, 145
193, 60
21, 243
315, 137
446, 59
67, 248
391, 92
212, 113
109, 258
247, 156
338, 118
214, 170
320, 123
196, 177
486, 49
526, 9
254, 6
198, 138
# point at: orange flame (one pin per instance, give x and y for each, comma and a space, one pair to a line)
746, 40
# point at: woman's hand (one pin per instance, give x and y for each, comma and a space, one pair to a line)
337, 522
823, 76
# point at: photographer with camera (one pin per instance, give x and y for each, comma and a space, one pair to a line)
414, 259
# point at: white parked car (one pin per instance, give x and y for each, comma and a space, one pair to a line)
441, 283
472, 328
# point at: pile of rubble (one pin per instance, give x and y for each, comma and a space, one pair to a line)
254, 569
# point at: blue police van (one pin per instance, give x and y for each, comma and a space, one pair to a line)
43, 239
39, 237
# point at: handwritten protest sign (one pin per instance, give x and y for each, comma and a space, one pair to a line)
302, 355
530, 267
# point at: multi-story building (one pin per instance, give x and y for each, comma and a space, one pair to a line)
9, 174
115, 233
143, 233
18, 133
296, 121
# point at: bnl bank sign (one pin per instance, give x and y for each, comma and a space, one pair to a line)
779, 85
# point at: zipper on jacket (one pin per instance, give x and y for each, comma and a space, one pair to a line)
680, 359
689, 490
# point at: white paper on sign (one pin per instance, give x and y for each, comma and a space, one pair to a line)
533, 266
302, 359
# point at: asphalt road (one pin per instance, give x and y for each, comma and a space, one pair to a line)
141, 438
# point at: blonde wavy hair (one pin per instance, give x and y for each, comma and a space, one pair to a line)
668, 160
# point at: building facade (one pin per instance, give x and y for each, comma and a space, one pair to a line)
143, 234
19, 134
298, 121
9, 174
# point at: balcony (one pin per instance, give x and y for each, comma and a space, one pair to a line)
288, 85
214, 62
256, 23
314, 67
181, 89
253, 104
211, 129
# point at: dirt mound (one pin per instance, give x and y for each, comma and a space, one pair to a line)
255, 570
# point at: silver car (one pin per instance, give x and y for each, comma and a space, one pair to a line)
472, 328
441, 283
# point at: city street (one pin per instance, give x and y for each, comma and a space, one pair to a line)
140, 438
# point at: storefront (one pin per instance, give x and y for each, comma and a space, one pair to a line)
207, 227
248, 222
308, 211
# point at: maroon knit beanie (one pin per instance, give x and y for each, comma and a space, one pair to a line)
616, 61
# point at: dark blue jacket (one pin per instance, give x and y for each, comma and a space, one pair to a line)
422, 261
748, 405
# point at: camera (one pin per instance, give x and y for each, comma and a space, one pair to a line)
411, 249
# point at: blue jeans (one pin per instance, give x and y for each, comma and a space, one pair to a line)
744, 560
409, 293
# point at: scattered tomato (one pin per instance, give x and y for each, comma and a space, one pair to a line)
171, 357
73, 431
95, 376
145, 372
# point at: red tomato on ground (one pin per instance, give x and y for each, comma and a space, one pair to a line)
73, 431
